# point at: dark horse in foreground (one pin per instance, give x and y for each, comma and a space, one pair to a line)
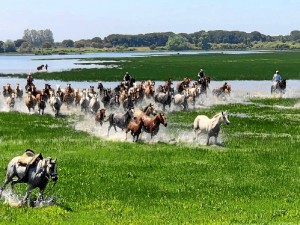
279, 87
32, 169
119, 119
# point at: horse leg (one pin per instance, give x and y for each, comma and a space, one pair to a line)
26, 197
4, 185
40, 195
207, 142
108, 130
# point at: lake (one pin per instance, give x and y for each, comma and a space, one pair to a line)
10, 64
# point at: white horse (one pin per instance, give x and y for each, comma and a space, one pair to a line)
211, 127
181, 100
55, 103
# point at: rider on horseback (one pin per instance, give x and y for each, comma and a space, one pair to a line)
276, 78
29, 82
201, 77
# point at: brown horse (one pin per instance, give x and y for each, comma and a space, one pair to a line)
183, 84
100, 115
149, 109
151, 125
222, 91
135, 127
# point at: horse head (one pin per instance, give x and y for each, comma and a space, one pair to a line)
163, 119
224, 117
49, 166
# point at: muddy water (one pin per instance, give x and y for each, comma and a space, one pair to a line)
241, 92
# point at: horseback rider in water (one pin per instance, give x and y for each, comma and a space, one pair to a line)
126, 79
201, 76
276, 78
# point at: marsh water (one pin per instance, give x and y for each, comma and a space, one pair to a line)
10, 64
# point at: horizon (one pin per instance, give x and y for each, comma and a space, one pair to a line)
74, 20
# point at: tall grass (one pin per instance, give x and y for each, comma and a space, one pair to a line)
253, 179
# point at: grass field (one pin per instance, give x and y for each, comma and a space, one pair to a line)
218, 66
252, 179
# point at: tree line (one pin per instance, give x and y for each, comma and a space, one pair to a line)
202, 40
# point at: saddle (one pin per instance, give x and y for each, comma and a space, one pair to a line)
29, 158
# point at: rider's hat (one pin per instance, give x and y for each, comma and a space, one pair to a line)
277, 71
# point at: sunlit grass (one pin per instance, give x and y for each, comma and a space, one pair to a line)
252, 179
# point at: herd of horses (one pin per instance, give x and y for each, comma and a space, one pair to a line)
123, 101
134, 107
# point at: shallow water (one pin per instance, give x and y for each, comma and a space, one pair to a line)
29, 63
241, 92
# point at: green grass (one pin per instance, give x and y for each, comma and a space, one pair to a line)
254, 179
218, 66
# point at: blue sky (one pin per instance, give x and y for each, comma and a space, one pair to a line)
74, 19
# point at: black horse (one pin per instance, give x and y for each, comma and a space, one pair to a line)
279, 87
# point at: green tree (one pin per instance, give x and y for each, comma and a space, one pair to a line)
38, 37
25, 47
295, 35
203, 42
68, 43
9, 46
1, 46
177, 43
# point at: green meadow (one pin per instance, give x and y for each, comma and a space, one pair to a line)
253, 66
252, 178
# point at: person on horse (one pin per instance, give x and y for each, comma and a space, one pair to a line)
69, 89
276, 78
126, 77
201, 76
29, 82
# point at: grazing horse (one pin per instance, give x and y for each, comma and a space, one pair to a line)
30, 101
119, 119
37, 173
279, 87
100, 115
40, 67
135, 128
211, 127
151, 125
